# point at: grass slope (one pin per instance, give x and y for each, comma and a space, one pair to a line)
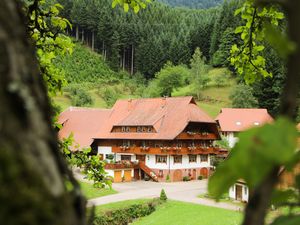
179, 213
91, 192
213, 98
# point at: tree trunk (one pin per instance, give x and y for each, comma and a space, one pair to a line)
93, 40
132, 58
33, 175
77, 33
82, 36
123, 59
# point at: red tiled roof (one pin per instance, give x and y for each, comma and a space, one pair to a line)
236, 120
169, 116
84, 123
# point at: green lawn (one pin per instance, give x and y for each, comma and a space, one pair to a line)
181, 213
91, 192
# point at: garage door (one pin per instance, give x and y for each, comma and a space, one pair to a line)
117, 176
177, 175
127, 175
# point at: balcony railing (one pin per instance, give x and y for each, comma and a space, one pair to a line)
169, 150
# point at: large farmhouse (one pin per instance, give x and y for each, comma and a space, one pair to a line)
159, 138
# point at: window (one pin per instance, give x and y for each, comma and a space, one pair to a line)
144, 144
139, 129
204, 158
126, 157
127, 129
177, 159
161, 159
109, 156
126, 143
192, 158
149, 129
179, 144
123, 129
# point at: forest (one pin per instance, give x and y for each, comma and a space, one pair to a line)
143, 43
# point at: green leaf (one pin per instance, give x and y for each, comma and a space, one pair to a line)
136, 8
126, 7
287, 220
283, 196
114, 3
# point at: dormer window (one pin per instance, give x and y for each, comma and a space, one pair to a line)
125, 129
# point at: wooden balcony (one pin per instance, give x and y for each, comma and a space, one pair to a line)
196, 136
166, 150
121, 165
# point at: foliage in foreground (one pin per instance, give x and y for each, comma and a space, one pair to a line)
92, 166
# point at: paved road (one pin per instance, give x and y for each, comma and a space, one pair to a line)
181, 191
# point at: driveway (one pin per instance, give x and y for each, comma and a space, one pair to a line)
181, 191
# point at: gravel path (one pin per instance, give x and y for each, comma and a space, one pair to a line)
181, 191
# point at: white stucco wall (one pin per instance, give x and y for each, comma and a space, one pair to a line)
151, 163
232, 140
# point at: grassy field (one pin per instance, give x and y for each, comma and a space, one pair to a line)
91, 192
181, 213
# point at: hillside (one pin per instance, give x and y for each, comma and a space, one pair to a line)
92, 83
195, 4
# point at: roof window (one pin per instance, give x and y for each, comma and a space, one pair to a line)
238, 123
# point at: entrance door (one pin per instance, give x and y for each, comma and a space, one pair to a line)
194, 174
141, 158
127, 175
136, 174
204, 172
238, 192
117, 176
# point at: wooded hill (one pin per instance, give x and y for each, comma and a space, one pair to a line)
195, 4
143, 43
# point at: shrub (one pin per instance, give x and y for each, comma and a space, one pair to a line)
168, 178
200, 177
110, 96
163, 195
221, 80
126, 215
242, 97
79, 97
186, 178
